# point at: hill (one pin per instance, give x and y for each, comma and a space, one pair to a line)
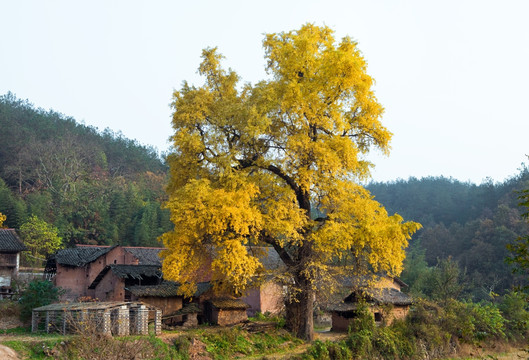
95, 187
466, 223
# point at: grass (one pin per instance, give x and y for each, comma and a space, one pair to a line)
16, 331
220, 343
38, 349
231, 343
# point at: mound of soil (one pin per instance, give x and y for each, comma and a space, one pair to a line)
7, 353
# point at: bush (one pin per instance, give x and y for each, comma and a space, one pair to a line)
473, 322
38, 293
514, 308
429, 331
9, 308
278, 320
328, 350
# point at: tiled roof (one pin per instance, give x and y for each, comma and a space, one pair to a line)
191, 308
367, 280
373, 296
80, 256
391, 296
10, 242
229, 304
98, 305
267, 256
165, 289
136, 271
146, 256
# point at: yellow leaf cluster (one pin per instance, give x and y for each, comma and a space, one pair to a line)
2, 219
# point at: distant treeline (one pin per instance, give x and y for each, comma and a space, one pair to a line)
466, 223
95, 187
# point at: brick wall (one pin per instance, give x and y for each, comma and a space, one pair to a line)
73, 280
111, 288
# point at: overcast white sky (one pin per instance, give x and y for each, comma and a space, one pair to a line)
453, 76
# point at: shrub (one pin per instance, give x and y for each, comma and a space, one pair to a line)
9, 308
514, 308
38, 293
473, 322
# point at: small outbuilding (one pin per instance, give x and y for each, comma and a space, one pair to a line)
383, 298
226, 311
112, 318
165, 296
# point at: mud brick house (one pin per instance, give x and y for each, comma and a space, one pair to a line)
116, 273
383, 296
10, 248
85, 271
176, 309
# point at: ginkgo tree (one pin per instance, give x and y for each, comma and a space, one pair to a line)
279, 164
2, 219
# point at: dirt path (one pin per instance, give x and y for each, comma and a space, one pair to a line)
8, 353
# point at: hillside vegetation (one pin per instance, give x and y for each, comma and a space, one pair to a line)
466, 229
95, 187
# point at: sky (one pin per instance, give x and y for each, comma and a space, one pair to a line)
452, 75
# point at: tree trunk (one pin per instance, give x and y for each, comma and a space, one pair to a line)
299, 314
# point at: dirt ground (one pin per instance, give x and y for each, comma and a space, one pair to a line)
7, 353
493, 350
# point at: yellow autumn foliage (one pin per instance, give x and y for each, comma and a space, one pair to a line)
279, 164
2, 219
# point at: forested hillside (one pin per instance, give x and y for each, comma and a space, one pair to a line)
468, 224
95, 187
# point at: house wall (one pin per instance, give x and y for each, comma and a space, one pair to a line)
272, 299
253, 298
76, 280
5, 276
129, 259
340, 323
9, 265
166, 304
110, 288
72, 280
114, 256
398, 313
267, 298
